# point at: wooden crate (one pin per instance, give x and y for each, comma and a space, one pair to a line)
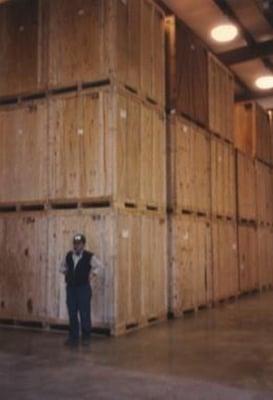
190, 263
252, 131
225, 259
248, 258
188, 167
264, 193
21, 49
23, 267
23, 152
221, 99
187, 72
246, 187
93, 145
130, 292
96, 40
223, 183
265, 254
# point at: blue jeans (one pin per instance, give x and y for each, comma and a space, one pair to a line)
78, 300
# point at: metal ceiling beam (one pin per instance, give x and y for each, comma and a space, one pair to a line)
251, 95
247, 53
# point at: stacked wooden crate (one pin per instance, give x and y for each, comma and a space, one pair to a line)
252, 131
201, 174
247, 219
189, 203
253, 140
83, 149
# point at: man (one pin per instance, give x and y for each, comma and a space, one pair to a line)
78, 267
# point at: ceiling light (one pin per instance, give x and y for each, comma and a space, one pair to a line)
265, 82
224, 33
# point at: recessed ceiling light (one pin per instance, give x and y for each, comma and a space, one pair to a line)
265, 82
224, 33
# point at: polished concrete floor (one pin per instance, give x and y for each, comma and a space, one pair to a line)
223, 354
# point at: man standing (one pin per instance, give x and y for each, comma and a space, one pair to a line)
79, 265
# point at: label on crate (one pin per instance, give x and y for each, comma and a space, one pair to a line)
234, 246
125, 234
185, 128
186, 236
80, 131
123, 114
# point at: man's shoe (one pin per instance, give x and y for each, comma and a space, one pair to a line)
71, 342
86, 341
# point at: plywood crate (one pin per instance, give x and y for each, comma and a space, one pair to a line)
221, 99
187, 72
188, 167
252, 131
225, 259
22, 48
248, 258
23, 267
54, 44
246, 187
102, 39
24, 152
129, 292
190, 263
223, 182
264, 193
102, 144
265, 254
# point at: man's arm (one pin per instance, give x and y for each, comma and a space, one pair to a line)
96, 265
63, 266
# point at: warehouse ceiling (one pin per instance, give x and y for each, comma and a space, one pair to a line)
250, 55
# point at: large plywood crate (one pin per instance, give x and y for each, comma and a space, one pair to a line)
248, 258
131, 291
23, 267
22, 48
265, 254
23, 152
264, 193
225, 259
101, 144
223, 178
221, 99
187, 72
246, 187
190, 263
188, 167
252, 131
54, 44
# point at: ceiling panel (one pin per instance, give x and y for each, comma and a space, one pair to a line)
251, 16
249, 71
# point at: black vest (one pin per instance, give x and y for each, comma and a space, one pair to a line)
80, 275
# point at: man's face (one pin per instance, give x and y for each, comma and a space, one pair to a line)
78, 246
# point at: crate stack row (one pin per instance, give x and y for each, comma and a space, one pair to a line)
254, 141
83, 149
202, 242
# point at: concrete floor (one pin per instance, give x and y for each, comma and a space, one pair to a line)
223, 354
